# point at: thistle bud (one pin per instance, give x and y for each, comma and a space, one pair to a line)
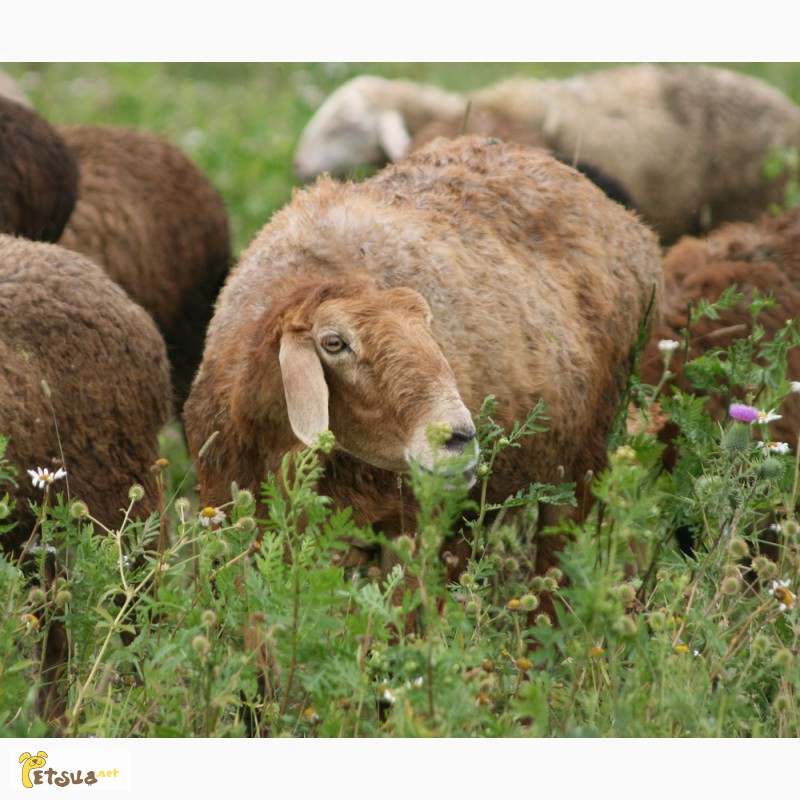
736, 438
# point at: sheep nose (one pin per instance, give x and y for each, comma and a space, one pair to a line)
460, 440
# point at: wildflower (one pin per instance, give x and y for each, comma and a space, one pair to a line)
311, 714
324, 441
731, 585
211, 516
743, 413
794, 386
681, 648
208, 617
245, 524
472, 608
773, 447
596, 651
668, 345
523, 664
779, 590
416, 683
528, 602
767, 416
42, 477
136, 492
159, 465
201, 645
387, 695
36, 596
182, 506
31, 621
78, 510
514, 604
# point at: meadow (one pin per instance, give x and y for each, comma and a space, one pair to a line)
245, 622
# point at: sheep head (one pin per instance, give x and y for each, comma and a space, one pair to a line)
351, 130
362, 361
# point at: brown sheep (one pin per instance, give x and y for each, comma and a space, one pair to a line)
325, 323
155, 223
504, 128
688, 142
762, 257
38, 175
65, 323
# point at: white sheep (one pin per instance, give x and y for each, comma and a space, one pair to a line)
688, 142
10, 89
367, 122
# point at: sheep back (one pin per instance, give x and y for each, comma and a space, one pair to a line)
687, 141
157, 226
38, 175
525, 265
63, 321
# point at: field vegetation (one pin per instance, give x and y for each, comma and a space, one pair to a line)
243, 621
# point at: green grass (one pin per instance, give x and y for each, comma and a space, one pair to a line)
649, 643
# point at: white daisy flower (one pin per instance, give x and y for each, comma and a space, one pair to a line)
767, 416
773, 447
42, 477
211, 516
388, 696
668, 345
780, 591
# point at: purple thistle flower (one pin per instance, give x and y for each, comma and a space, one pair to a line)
743, 413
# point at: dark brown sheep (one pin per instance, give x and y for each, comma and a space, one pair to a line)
157, 226
325, 323
38, 175
763, 257
65, 323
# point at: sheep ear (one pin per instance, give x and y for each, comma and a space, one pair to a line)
394, 138
305, 388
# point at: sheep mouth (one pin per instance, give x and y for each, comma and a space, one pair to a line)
455, 471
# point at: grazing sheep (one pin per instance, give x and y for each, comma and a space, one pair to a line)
762, 257
38, 175
688, 142
367, 122
326, 323
158, 227
65, 324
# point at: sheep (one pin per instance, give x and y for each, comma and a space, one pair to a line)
10, 89
153, 220
499, 127
380, 307
38, 175
761, 257
688, 142
367, 122
84, 387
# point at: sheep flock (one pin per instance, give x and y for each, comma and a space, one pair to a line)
537, 239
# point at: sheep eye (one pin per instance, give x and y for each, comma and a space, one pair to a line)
333, 343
